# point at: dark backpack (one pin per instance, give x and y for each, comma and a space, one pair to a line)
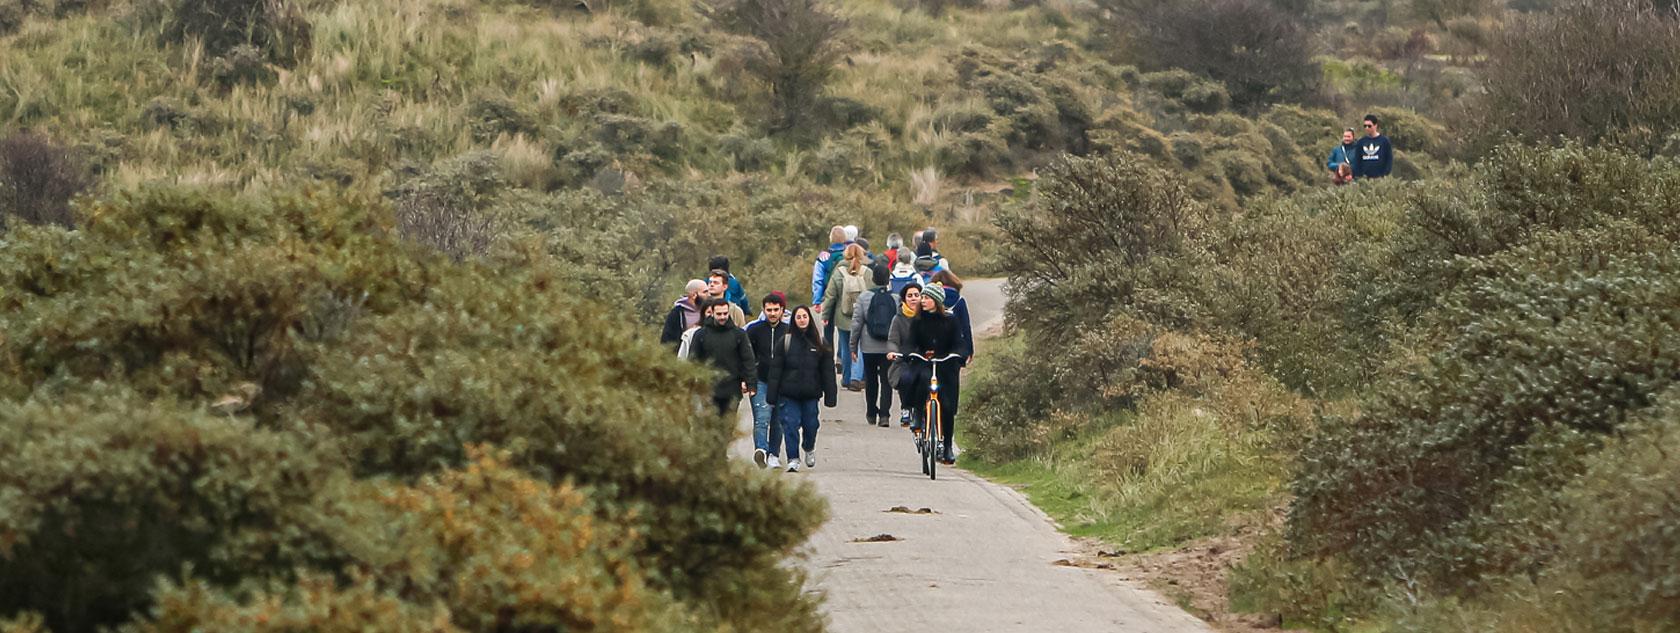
882, 309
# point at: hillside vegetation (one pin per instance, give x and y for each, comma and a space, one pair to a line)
335, 314
1436, 405
592, 134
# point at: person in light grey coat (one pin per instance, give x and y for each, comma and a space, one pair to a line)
871, 327
898, 342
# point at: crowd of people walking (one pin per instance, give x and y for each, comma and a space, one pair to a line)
870, 311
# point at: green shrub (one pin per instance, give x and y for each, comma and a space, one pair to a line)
620, 134
1097, 238
277, 28
1308, 128
747, 152
978, 153
242, 64
445, 207
1032, 116
104, 493
1188, 149
1205, 97
316, 603
1544, 340
1120, 131
1245, 172
308, 313
1414, 133
491, 116
12, 14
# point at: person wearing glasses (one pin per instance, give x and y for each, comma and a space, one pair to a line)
1375, 153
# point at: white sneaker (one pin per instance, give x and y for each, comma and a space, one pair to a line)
775, 462
793, 465
759, 457
811, 458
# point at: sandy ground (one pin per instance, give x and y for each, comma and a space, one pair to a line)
980, 558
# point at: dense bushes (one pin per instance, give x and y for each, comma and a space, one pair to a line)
348, 370
1473, 343
1548, 343
1591, 71
106, 492
1098, 239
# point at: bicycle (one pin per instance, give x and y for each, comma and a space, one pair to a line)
931, 442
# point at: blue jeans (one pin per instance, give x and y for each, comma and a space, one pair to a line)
799, 425
767, 427
849, 371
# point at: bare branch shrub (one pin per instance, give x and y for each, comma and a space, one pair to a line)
38, 179
1596, 71
1261, 53
796, 46
446, 208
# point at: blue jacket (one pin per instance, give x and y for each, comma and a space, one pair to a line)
1342, 155
965, 328
1376, 157
826, 262
737, 295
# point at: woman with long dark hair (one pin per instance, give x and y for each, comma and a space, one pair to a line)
799, 377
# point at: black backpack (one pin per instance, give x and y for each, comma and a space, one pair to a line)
882, 308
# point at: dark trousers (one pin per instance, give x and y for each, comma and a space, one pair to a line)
726, 404
877, 394
950, 390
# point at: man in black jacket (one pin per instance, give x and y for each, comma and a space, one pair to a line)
766, 334
725, 347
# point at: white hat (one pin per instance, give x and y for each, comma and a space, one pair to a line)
851, 232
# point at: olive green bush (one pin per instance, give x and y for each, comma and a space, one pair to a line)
277, 28
333, 356
1546, 340
105, 492
1101, 235
1470, 345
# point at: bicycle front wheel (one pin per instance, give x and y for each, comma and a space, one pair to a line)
931, 427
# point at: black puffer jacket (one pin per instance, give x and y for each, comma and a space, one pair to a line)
725, 347
766, 343
802, 372
936, 332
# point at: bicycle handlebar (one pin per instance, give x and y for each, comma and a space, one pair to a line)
941, 359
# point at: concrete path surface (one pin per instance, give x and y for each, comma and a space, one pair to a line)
983, 561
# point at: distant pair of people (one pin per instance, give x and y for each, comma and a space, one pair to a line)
1356, 158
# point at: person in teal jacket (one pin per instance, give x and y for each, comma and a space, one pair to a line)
1341, 159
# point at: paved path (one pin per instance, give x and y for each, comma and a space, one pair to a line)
985, 562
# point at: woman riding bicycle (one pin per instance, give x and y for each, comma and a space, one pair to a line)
935, 334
